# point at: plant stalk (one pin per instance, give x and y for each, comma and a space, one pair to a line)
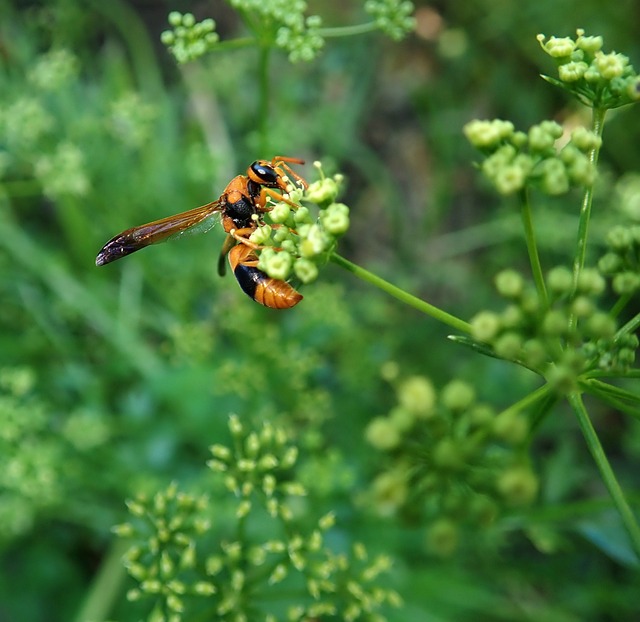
606, 472
400, 294
597, 126
532, 249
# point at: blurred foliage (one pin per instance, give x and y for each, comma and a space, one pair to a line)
115, 382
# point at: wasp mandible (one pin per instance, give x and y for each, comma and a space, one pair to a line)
240, 208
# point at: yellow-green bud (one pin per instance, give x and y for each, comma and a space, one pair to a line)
302, 215
590, 45
509, 179
555, 323
554, 176
611, 65
261, 235
382, 434
442, 537
305, 270
560, 280
487, 134
417, 395
509, 283
601, 325
626, 283
279, 265
508, 345
590, 281
518, 485
335, 218
458, 395
572, 71
485, 326
322, 191
280, 212
175, 18
557, 47
511, 427
448, 455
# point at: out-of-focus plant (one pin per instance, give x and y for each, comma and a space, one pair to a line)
262, 556
458, 461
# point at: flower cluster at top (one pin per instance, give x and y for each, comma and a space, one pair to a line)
597, 79
275, 559
516, 159
283, 24
189, 39
451, 459
294, 241
393, 17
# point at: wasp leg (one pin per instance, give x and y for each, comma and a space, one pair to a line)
228, 244
281, 161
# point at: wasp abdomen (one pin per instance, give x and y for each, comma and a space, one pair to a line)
258, 285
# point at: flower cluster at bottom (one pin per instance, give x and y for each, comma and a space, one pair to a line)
188, 567
452, 462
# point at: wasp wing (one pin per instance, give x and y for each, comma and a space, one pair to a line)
198, 220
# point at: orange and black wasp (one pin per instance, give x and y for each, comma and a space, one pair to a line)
240, 207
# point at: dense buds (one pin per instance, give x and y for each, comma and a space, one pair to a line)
515, 160
294, 241
189, 39
443, 458
598, 79
541, 337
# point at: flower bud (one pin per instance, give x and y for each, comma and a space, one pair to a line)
518, 485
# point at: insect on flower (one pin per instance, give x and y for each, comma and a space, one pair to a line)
240, 208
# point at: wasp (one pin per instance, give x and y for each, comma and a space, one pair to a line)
240, 208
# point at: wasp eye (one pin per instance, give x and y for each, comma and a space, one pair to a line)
264, 174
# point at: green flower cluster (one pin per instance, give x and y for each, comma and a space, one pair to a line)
562, 340
295, 33
189, 569
165, 558
30, 478
598, 79
189, 39
257, 469
393, 17
515, 159
131, 119
453, 460
621, 262
54, 70
62, 173
297, 242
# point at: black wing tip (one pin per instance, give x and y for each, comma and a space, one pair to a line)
114, 249
102, 258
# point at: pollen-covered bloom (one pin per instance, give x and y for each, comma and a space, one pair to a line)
557, 47
488, 134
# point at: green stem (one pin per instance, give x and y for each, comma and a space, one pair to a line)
610, 389
606, 472
597, 125
620, 304
347, 31
528, 400
532, 249
629, 327
264, 97
106, 586
400, 294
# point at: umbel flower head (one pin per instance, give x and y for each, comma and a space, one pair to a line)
515, 159
296, 240
597, 78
